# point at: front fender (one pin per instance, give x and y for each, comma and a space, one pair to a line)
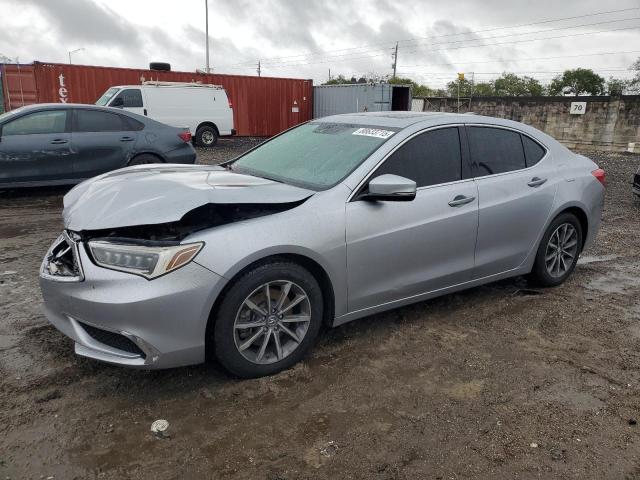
314, 233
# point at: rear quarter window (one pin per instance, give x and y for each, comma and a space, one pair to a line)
133, 124
533, 151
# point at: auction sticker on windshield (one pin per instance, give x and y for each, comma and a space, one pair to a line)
373, 132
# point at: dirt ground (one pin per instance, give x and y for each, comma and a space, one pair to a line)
495, 382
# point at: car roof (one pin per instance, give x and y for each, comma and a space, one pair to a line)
62, 106
65, 106
403, 120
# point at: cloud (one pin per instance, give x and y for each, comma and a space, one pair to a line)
87, 23
305, 39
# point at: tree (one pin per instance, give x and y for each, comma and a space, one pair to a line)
616, 86
339, 80
634, 83
511, 85
466, 88
534, 87
579, 81
484, 89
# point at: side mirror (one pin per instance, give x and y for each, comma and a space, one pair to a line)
117, 102
391, 188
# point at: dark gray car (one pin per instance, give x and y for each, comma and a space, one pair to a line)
59, 144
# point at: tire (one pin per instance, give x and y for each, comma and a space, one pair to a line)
206, 136
144, 159
547, 271
160, 66
228, 340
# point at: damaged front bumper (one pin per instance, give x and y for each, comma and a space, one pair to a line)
125, 319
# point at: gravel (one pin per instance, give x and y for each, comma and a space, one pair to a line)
457, 387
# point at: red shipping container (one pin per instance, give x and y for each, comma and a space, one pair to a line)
262, 106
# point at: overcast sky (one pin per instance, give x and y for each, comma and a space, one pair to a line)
304, 39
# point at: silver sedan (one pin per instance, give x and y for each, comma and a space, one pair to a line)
336, 219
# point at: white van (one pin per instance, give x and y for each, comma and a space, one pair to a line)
204, 109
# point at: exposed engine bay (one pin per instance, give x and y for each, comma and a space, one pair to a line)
200, 218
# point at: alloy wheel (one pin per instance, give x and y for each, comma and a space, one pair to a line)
562, 250
272, 322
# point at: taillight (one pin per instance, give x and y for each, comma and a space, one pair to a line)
600, 175
185, 136
230, 104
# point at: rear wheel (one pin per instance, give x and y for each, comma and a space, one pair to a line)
558, 251
206, 136
268, 320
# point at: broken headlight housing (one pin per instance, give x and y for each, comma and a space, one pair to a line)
150, 261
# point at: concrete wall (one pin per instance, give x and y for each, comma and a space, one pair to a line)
609, 123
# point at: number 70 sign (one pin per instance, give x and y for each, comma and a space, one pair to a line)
578, 108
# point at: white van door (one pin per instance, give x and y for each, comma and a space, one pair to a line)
129, 99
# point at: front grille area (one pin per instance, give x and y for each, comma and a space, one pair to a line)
62, 261
114, 340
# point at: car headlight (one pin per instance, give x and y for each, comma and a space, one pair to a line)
148, 261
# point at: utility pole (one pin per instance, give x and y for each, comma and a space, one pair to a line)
258, 70
395, 60
206, 22
460, 80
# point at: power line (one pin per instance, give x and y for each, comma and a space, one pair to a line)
321, 53
538, 31
454, 72
373, 55
474, 62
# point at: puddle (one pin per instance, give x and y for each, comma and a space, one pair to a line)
633, 313
586, 259
528, 292
571, 397
615, 282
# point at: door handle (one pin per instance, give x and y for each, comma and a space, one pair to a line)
460, 200
127, 139
536, 182
59, 141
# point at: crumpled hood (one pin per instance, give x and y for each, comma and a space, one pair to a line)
153, 194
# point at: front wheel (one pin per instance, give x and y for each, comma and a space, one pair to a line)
268, 320
558, 251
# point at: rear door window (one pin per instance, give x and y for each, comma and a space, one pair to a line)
430, 158
52, 121
495, 150
98, 121
533, 151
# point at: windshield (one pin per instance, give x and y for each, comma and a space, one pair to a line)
106, 96
316, 155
